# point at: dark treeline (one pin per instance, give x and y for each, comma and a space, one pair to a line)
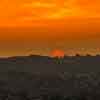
46, 97
44, 78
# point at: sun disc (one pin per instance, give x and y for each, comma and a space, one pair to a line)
57, 53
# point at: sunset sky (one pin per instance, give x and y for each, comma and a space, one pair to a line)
39, 26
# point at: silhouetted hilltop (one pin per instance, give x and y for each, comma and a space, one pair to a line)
36, 63
36, 76
38, 58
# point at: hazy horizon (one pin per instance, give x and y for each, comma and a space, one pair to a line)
47, 52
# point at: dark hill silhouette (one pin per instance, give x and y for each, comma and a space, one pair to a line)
45, 64
43, 77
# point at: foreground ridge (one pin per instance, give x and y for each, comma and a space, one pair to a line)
46, 78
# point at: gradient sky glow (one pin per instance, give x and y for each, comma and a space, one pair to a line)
39, 26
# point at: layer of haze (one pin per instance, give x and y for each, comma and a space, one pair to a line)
39, 26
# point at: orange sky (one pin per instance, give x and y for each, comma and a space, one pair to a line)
39, 26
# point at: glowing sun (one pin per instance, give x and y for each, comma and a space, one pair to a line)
57, 53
